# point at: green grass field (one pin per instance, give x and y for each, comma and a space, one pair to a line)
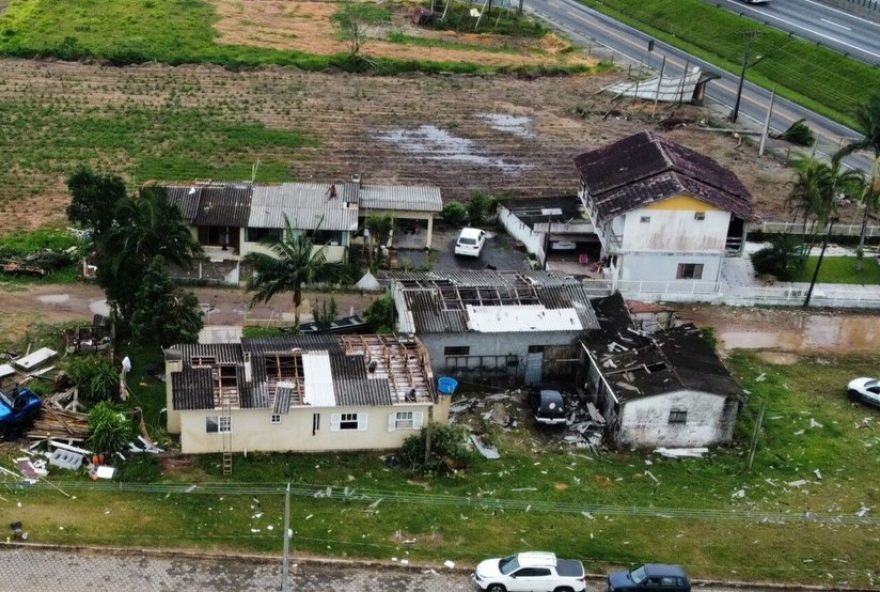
818, 78
517, 502
182, 31
842, 270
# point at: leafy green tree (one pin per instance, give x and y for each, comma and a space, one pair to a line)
297, 262
145, 228
325, 315
93, 199
111, 430
867, 117
164, 313
781, 259
94, 377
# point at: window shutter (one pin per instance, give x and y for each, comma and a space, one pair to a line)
362, 422
392, 422
417, 420
334, 422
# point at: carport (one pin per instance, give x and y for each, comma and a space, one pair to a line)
413, 204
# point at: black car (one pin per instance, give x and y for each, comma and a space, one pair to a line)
548, 405
652, 576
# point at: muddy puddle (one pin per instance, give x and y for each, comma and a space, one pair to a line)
789, 331
432, 143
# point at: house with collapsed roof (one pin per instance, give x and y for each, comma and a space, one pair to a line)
662, 212
511, 326
230, 220
668, 389
303, 393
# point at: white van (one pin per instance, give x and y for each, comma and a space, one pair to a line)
470, 242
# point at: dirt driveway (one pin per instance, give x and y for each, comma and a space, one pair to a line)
222, 306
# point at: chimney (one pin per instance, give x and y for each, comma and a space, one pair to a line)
356, 179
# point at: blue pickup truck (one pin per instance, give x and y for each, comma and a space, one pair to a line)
17, 407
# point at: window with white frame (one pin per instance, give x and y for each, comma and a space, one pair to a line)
218, 424
405, 420
345, 422
276, 419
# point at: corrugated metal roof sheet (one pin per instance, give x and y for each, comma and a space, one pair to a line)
529, 318
283, 395
318, 390
353, 385
417, 198
192, 389
308, 206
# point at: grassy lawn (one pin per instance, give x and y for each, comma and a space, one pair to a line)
533, 497
842, 270
818, 78
184, 31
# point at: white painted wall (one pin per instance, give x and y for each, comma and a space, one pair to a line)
334, 254
644, 423
533, 241
674, 230
663, 266
252, 430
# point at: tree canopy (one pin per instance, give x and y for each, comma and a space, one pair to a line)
164, 313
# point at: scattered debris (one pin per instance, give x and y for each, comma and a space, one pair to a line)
739, 494
487, 450
863, 511
448, 564
815, 424
36, 359
682, 452
798, 484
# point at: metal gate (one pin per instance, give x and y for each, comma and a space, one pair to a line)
534, 367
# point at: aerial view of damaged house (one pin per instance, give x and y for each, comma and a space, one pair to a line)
666, 389
303, 393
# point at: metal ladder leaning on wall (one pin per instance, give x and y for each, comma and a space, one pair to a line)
226, 444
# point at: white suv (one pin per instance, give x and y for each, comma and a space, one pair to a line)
470, 242
527, 572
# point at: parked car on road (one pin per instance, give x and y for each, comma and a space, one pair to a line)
17, 407
651, 576
527, 572
470, 242
548, 405
864, 390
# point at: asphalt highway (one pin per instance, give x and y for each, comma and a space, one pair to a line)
847, 33
588, 27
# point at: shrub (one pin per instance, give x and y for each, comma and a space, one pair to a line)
781, 259
449, 450
799, 134
380, 315
455, 213
95, 378
111, 429
479, 208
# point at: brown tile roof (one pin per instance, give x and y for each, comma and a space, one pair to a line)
645, 168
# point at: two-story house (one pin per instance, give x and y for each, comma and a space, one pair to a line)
662, 212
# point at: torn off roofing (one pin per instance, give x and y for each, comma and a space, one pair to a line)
644, 168
439, 303
637, 365
320, 370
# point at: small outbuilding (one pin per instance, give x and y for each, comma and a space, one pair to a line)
667, 389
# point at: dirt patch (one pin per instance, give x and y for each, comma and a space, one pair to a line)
520, 135
401, 537
308, 27
779, 358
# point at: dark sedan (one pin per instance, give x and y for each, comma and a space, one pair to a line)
548, 405
652, 576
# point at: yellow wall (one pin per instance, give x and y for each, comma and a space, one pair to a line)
682, 202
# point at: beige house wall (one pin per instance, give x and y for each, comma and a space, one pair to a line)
252, 429
333, 253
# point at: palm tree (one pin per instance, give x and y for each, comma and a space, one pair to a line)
867, 117
143, 228
297, 262
815, 190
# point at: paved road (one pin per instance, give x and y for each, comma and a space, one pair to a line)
587, 27
832, 27
25, 569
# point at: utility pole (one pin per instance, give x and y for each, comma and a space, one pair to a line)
285, 562
749, 35
831, 222
659, 84
766, 131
